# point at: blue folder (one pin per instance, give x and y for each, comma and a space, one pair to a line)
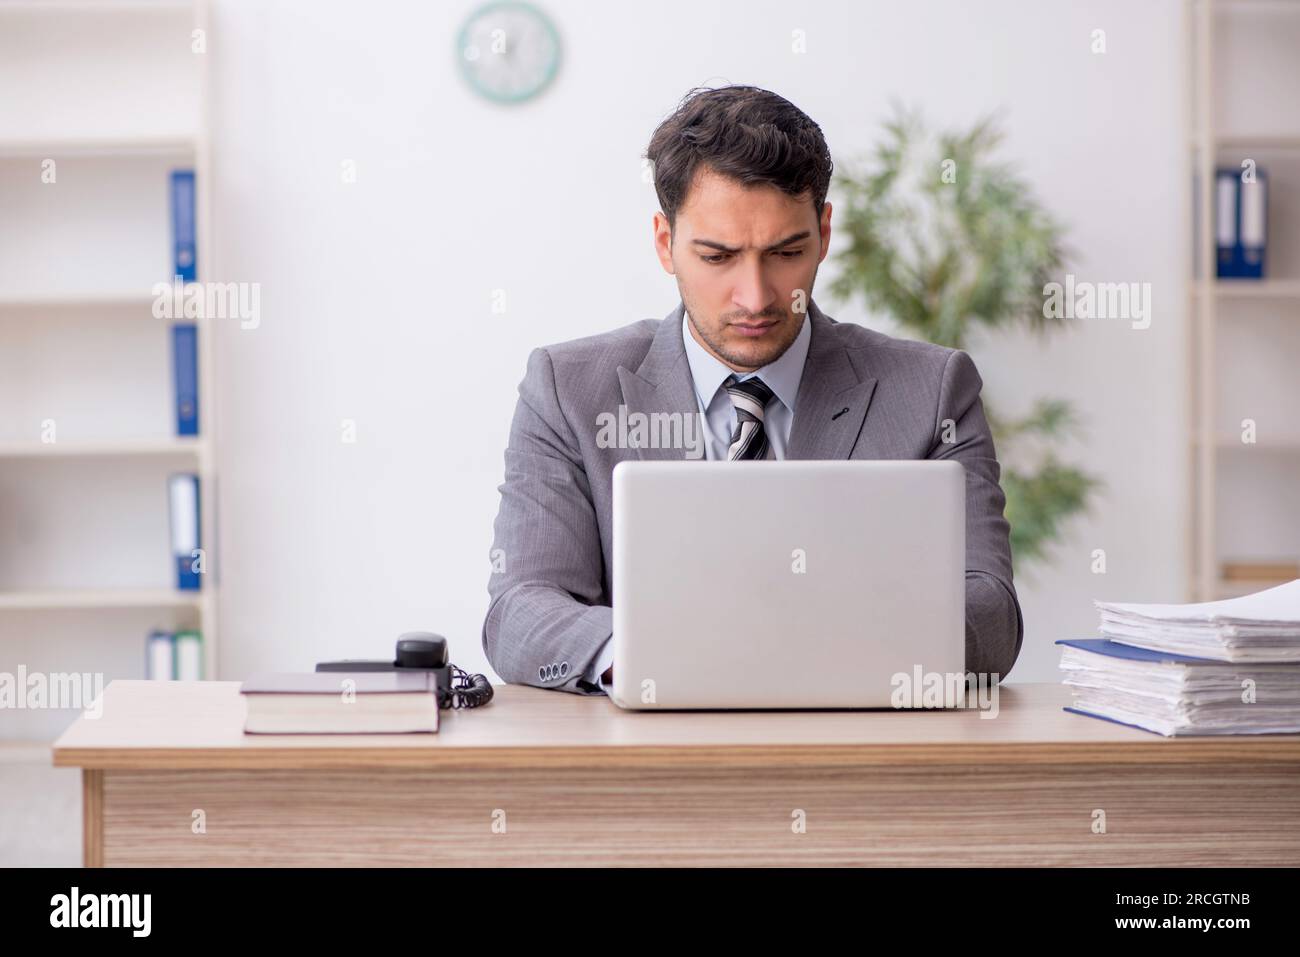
1115, 649
184, 239
185, 376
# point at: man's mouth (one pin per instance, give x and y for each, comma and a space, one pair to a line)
753, 328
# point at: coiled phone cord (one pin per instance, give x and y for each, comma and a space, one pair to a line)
467, 690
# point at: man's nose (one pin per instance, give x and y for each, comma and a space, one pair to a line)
752, 292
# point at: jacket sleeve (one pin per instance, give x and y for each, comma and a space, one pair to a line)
994, 624
547, 617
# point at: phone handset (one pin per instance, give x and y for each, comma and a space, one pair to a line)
425, 651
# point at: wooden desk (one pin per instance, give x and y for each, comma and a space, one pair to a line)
545, 778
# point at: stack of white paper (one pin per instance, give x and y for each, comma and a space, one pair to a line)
1174, 695
1217, 667
1263, 627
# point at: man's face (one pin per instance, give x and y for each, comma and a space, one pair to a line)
741, 256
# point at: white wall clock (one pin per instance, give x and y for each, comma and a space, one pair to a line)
509, 51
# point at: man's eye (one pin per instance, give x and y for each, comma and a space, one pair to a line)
717, 258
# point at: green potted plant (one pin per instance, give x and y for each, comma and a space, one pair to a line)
948, 242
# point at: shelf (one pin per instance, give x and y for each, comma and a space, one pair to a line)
79, 301
1256, 6
1269, 142
108, 448
93, 6
1232, 443
59, 147
1235, 589
71, 598
1251, 288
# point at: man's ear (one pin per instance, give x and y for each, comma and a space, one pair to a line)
825, 226
663, 239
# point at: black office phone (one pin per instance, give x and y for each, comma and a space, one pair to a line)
425, 651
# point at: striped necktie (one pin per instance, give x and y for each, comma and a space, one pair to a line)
750, 398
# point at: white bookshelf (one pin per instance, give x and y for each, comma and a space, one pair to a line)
114, 94
1245, 346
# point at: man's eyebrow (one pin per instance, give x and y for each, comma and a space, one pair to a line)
731, 249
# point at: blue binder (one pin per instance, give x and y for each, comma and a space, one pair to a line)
185, 376
183, 508
1241, 224
184, 247
1252, 221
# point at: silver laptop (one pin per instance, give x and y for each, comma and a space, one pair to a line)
786, 584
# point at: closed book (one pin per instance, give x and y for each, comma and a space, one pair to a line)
341, 702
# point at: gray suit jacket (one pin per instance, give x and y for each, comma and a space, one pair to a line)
552, 556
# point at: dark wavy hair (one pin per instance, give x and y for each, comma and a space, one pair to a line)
745, 133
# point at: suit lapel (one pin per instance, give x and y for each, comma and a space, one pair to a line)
829, 411
662, 383
833, 397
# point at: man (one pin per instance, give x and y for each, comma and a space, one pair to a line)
741, 176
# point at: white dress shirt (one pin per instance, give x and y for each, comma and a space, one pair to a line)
718, 416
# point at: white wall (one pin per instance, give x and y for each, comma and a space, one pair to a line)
376, 296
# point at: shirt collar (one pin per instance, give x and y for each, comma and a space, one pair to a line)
782, 376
